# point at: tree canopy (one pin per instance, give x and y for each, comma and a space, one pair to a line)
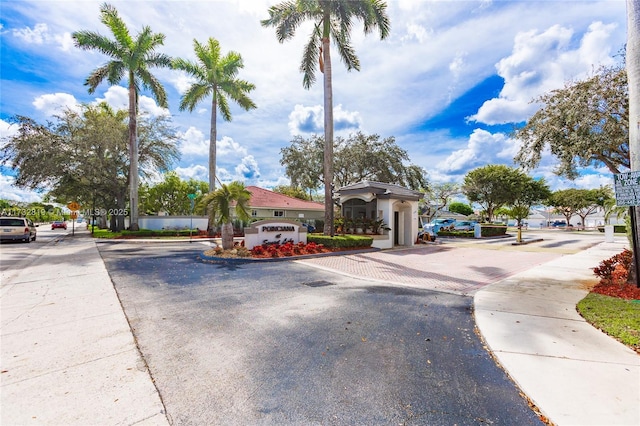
437, 197
83, 156
581, 202
171, 195
358, 157
493, 186
461, 208
585, 123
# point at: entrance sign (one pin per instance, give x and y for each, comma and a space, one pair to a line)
627, 188
274, 231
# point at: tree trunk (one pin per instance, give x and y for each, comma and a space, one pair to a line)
133, 153
328, 138
633, 77
213, 135
227, 236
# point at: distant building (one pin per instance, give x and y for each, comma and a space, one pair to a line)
265, 204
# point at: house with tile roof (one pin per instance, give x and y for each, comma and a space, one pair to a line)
265, 204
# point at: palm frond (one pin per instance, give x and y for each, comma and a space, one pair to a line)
342, 40
152, 83
109, 16
223, 106
195, 94
285, 17
310, 59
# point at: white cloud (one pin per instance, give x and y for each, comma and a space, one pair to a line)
194, 171
309, 120
306, 120
40, 35
227, 146
193, 143
12, 193
7, 130
35, 35
541, 62
118, 98
55, 103
181, 81
248, 169
483, 148
416, 32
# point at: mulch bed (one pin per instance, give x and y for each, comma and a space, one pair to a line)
624, 291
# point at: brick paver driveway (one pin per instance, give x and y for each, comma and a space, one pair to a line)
457, 266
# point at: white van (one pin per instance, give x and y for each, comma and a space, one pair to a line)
17, 228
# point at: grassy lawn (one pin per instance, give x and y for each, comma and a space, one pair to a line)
617, 317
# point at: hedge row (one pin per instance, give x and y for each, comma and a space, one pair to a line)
341, 241
618, 229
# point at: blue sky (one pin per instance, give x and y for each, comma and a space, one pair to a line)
449, 82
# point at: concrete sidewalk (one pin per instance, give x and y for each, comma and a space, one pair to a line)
68, 355
574, 373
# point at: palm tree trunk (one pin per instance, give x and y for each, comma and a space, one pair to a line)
633, 76
227, 236
133, 153
213, 135
328, 137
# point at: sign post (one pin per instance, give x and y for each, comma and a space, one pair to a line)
74, 207
627, 189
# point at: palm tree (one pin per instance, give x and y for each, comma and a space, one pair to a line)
216, 77
219, 204
130, 58
332, 18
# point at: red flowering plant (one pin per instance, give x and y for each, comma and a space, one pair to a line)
613, 273
286, 250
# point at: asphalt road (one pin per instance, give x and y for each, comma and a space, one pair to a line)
285, 343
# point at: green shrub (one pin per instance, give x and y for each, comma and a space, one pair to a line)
618, 229
341, 241
466, 234
493, 231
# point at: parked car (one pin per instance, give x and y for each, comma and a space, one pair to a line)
464, 225
433, 227
58, 225
17, 229
310, 228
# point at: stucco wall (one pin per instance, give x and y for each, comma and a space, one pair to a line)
157, 223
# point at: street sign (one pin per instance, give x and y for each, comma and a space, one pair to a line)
73, 206
191, 196
74, 215
627, 188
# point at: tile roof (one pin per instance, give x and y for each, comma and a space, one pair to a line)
382, 190
263, 198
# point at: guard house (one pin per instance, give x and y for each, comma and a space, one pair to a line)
395, 205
